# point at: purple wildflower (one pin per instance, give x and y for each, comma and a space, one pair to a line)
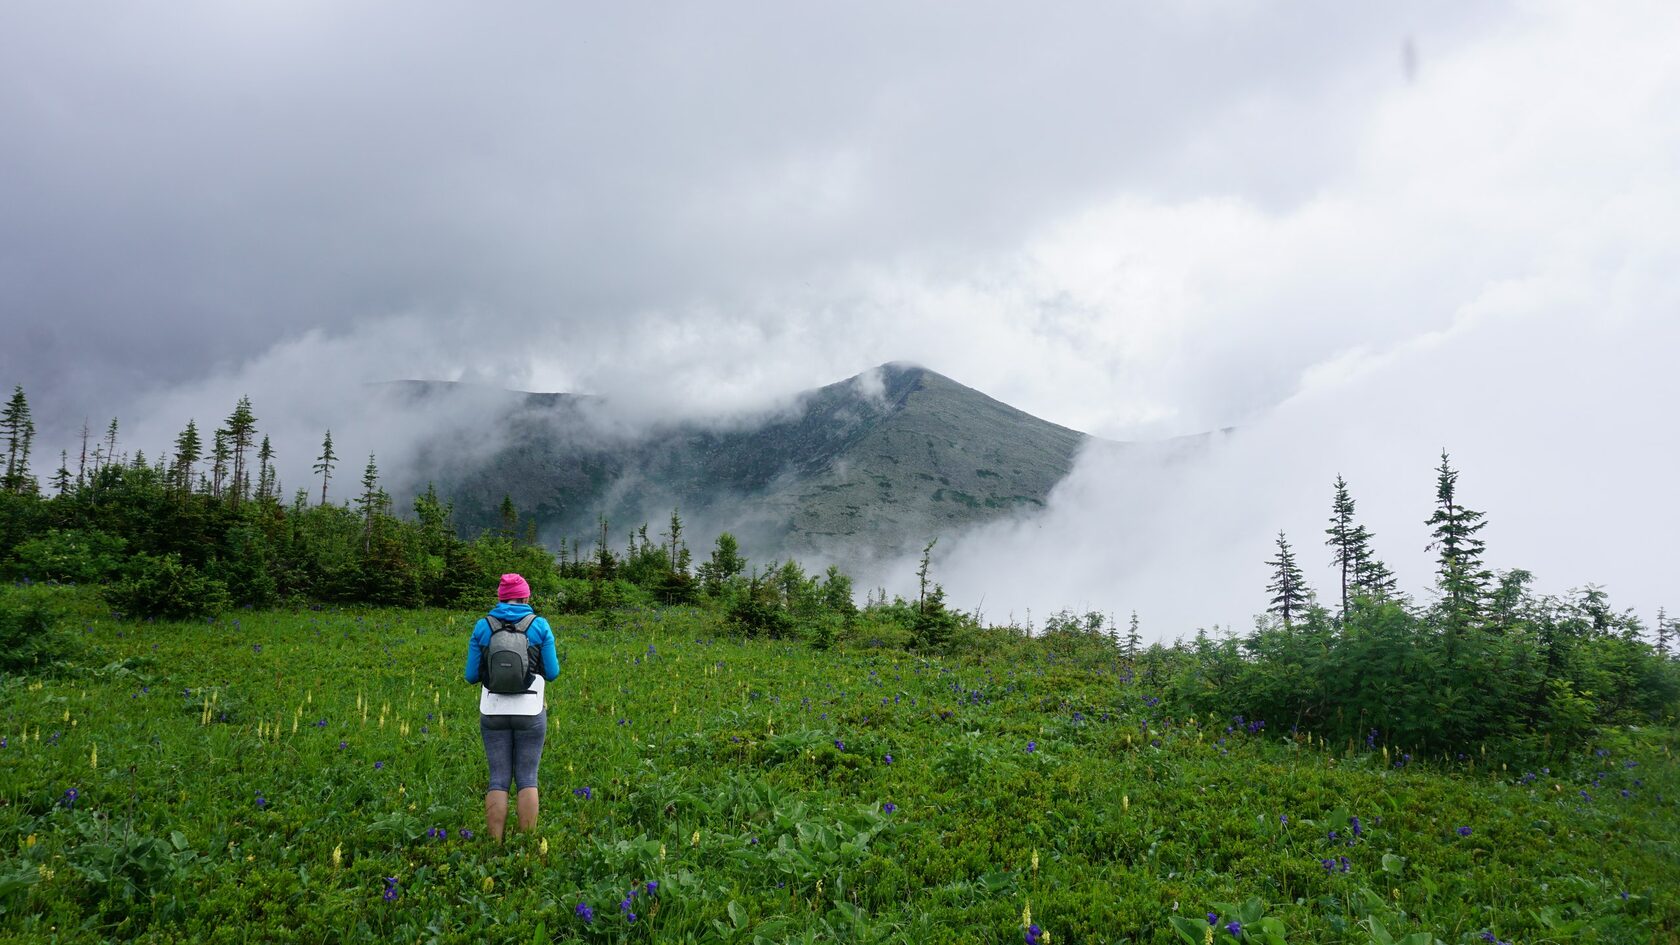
1464, 831
378, 765
70, 796
888, 807
585, 913
584, 792
1235, 928
1213, 918
466, 834
391, 891
652, 886
839, 744
886, 759
1032, 747
1034, 934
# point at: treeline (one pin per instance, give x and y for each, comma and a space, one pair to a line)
1486, 660
199, 529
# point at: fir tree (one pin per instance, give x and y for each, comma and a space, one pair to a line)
675, 536
509, 517
1664, 628
241, 430
1348, 541
265, 471
188, 450
61, 479
19, 428
110, 444
1461, 577
922, 575
369, 501
218, 462
324, 464
1134, 641
81, 464
1289, 586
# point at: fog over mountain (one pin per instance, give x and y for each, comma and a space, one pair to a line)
1352, 235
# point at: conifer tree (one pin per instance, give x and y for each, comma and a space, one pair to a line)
369, 501
509, 517
241, 430
218, 462
188, 450
605, 564
265, 471
1350, 551
110, 444
81, 464
1461, 577
324, 464
1347, 541
19, 427
1289, 586
1134, 640
61, 479
675, 536
922, 575
1664, 627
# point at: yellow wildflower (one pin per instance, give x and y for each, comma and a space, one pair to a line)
489, 883
542, 848
1026, 915
338, 856
30, 842
1035, 861
662, 853
93, 759
694, 841
1125, 802
1207, 936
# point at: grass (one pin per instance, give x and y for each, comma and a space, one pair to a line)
284, 776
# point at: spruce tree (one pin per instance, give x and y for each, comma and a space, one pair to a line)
1664, 626
1461, 577
1134, 640
81, 464
1289, 586
110, 444
1347, 540
241, 430
188, 450
265, 471
61, 479
218, 462
675, 536
369, 501
19, 427
324, 464
509, 517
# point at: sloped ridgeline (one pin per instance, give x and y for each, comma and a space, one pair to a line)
871, 466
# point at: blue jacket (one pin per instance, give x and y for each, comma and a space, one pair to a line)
538, 633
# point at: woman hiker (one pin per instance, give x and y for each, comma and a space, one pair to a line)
513, 718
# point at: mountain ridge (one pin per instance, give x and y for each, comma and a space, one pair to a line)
869, 466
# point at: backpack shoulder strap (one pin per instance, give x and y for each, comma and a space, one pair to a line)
493, 623
524, 623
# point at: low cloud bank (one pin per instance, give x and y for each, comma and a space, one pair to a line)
1532, 393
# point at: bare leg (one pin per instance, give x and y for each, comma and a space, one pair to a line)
527, 808
495, 811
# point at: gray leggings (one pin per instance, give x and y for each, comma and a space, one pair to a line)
513, 745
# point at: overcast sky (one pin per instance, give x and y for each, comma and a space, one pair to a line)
1358, 232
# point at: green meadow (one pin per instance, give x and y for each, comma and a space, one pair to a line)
316, 776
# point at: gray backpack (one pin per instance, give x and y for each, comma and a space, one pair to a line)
507, 660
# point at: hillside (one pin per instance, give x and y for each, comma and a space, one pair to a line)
874, 464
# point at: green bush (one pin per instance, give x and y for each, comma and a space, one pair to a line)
163, 586
30, 638
69, 556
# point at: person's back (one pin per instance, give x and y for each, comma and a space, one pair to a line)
514, 722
